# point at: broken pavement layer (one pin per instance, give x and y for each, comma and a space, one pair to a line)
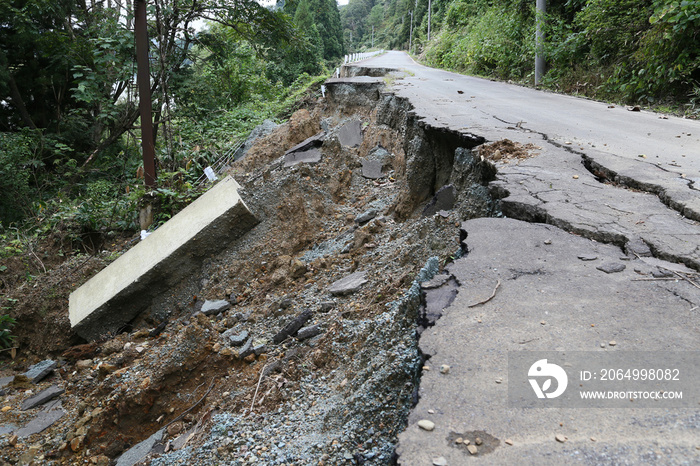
118, 293
554, 187
307, 151
545, 298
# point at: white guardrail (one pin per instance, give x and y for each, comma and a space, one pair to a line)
353, 57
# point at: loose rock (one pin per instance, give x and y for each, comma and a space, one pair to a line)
560, 438
291, 328
237, 339
444, 199
426, 424
215, 307
588, 257
366, 216
308, 332
348, 285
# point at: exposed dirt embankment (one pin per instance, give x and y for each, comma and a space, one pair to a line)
382, 205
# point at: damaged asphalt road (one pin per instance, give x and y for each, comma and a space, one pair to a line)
413, 229
600, 252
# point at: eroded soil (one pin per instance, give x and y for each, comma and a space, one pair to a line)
340, 396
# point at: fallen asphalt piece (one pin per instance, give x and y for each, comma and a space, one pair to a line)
126, 287
40, 370
350, 134
140, 450
42, 397
42, 421
524, 288
308, 156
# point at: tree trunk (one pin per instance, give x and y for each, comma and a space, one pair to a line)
19, 103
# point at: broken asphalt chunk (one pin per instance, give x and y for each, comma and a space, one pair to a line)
292, 327
140, 450
215, 307
637, 247
40, 370
372, 169
350, 134
444, 199
42, 397
43, 420
611, 267
307, 156
348, 285
314, 141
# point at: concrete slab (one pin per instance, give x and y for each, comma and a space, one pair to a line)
118, 293
544, 298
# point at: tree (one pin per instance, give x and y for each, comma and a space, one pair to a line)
69, 64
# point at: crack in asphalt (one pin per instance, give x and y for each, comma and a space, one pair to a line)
657, 190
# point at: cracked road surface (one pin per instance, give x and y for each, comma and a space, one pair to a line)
606, 188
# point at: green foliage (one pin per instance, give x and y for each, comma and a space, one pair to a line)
611, 27
69, 149
635, 51
17, 161
668, 58
495, 43
6, 324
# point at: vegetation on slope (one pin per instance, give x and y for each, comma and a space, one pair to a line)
69, 122
71, 179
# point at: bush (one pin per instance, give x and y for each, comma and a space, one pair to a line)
17, 160
6, 339
499, 42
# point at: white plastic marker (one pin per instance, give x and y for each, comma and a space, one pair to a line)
210, 174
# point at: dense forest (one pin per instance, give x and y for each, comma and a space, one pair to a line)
70, 132
69, 121
645, 51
